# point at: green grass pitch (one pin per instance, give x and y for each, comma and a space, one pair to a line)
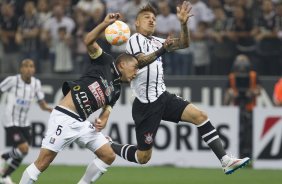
158, 175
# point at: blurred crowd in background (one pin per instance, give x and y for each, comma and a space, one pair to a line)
51, 33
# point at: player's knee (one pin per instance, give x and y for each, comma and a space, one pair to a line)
108, 157
42, 165
24, 150
201, 117
111, 157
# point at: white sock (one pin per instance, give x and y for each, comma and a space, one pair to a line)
30, 174
94, 171
224, 160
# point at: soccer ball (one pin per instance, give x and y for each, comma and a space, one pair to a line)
117, 33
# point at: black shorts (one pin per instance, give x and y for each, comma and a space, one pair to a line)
147, 117
17, 135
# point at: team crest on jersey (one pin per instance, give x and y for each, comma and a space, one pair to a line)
16, 137
148, 138
52, 140
156, 43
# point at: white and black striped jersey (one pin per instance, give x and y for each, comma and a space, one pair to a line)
19, 98
149, 82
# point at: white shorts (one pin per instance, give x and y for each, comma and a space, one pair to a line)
64, 129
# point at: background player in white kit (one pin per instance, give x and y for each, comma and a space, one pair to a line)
153, 103
21, 90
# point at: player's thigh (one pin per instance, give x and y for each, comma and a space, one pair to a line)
106, 153
146, 133
90, 138
147, 118
96, 142
193, 115
62, 131
174, 107
44, 159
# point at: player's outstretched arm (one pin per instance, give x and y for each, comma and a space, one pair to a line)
44, 106
171, 44
92, 36
183, 14
144, 60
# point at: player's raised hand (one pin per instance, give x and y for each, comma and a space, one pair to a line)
99, 124
184, 12
171, 43
168, 43
111, 17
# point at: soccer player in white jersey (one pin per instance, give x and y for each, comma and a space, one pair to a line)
153, 103
21, 90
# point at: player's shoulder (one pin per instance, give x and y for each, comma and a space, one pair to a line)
35, 80
9, 79
104, 58
12, 77
158, 39
137, 36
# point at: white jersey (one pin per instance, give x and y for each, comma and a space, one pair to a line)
19, 97
149, 82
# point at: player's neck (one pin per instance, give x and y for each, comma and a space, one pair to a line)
26, 79
145, 34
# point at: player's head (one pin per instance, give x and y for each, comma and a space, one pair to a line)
27, 69
127, 66
29, 7
146, 20
241, 64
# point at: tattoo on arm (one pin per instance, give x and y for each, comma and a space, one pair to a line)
184, 36
144, 60
184, 40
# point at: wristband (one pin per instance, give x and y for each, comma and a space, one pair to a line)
108, 107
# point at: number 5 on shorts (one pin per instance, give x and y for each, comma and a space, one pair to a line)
59, 130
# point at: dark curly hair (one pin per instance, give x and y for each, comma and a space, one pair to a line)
147, 8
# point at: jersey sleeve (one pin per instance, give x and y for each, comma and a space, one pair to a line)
7, 83
135, 44
39, 95
103, 59
114, 99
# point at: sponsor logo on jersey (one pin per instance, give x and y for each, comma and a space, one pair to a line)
23, 102
98, 94
16, 137
271, 138
148, 138
109, 87
83, 102
76, 88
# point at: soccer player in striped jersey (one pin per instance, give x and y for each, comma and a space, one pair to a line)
153, 103
21, 90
